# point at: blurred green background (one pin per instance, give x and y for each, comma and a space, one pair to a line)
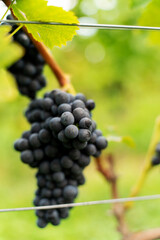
120, 71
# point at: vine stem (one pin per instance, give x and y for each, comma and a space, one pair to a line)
151, 234
147, 165
16, 30
8, 9
63, 79
118, 209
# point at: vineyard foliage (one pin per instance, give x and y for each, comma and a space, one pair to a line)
56, 35
120, 71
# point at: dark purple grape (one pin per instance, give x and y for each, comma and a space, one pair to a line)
44, 136
55, 165
80, 96
21, 144
55, 124
57, 192
85, 123
41, 223
67, 118
64, 108
71, 131
70, 192
61, 97
44, 167
90, 105
101, 143
84, 135
38, 154
78, 104
34, 140
74, 154
27, 156
58, 176
78, 114
66, 162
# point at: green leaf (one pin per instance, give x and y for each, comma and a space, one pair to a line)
9, 51
121, 139
39, 11
139, 3
8, 90
150, 17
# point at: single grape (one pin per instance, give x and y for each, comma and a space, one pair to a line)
70, 192
85, 123
78, 104
55, 165
44, 136
101, 142
64, 108
67, 118
44, 167
55, 124
71, 131
61, 97
90, 105
34, 140
27, 156
38, 154
84, 135
66, 162
41, 223
58, 176
57, 192
79, 113
80, 96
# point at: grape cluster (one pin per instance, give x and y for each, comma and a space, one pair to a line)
59, 144
28, 70
156, 158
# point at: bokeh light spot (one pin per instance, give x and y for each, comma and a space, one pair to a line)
106, 4
85, 32
95, 52
65, 4
88, 8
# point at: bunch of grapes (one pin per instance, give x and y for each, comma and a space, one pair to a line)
59, 144
156, 158
28, 70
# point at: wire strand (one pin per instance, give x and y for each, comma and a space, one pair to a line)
108, 201
86, 25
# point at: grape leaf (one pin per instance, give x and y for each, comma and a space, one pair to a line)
9, 51
150, 17
139, 3
8, 90
39, 11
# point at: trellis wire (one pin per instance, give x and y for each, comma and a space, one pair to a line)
86, 25
108, 201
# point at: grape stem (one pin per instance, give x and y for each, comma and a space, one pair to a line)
147, 164
16, 30
63, 79
8, 9
151, 234
119, 210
